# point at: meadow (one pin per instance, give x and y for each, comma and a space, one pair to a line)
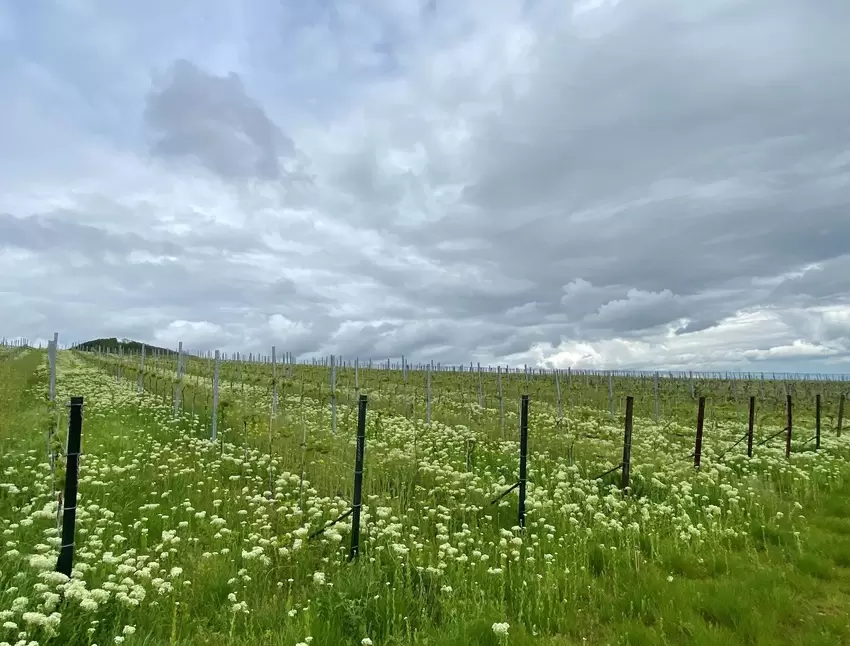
182, 539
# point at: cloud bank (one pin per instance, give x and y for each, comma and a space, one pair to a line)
589, 184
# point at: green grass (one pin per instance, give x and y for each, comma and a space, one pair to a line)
739, 552
20, 401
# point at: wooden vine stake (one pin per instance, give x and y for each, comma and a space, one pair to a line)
627, 445
751, 426
358, 478
333, 395
700, 425
216, 367
523, 459
817, 421
657, 403
65, 562
788, 426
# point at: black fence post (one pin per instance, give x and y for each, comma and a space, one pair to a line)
788, 428
72, 457
817, 421
840, 414
523, 457
700, 426
751, 426
358, 478
627, 444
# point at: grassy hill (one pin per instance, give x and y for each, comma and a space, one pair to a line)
113, 344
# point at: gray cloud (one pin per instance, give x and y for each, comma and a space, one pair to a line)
55, 233
210, 119
692, 327
666, 156
640, 310
581, 299
637, 184
825, 283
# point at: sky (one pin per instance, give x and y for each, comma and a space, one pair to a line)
632, 184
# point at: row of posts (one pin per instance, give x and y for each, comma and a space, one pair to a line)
66, 553
405, 366
333, 364
629, 406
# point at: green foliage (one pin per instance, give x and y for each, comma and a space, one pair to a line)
113, 345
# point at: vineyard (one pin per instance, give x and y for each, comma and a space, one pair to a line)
607, 509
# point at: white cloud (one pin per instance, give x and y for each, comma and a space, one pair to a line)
197, 333
745, 341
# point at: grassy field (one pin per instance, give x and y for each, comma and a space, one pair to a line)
181, 540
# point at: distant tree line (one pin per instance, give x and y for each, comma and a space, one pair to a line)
113, 345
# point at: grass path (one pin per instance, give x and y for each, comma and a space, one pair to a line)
21, 403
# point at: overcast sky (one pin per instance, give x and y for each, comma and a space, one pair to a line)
632, 184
